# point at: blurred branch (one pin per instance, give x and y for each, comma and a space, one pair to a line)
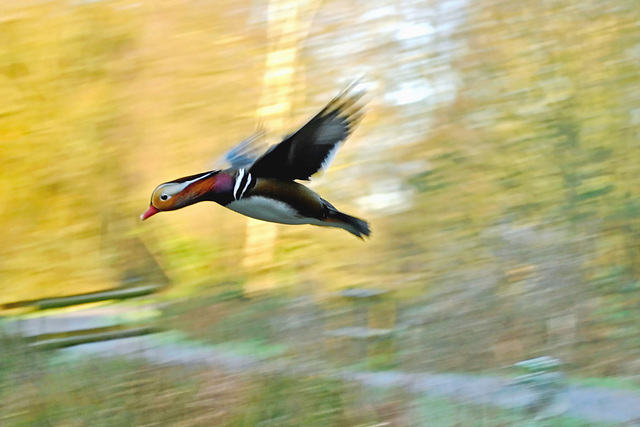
117, 294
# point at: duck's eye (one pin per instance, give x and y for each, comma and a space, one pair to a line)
164, 197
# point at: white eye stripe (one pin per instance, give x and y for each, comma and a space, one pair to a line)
185, 184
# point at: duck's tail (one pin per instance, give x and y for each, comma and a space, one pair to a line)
353, 225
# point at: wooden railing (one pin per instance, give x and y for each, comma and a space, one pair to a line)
66, 337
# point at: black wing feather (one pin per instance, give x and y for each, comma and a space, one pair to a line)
306, 151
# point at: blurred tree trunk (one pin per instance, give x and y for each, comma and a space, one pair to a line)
288, 25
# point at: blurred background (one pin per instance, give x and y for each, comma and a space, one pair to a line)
497, 165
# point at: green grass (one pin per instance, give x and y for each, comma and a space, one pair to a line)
249, 347
611, 382
246, 322
227, 317
287, 401
45, 389
35, 390
445, 412
40, 389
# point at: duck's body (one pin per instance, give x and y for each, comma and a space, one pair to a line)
264, 187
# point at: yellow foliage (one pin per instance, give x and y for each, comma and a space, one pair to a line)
102, 101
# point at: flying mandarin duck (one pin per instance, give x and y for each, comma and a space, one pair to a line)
264, 186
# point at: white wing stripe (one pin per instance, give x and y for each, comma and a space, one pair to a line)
236, 187
248, 179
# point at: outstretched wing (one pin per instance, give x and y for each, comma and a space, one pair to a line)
245, 153
314, 145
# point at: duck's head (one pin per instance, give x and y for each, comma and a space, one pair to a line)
187, 191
